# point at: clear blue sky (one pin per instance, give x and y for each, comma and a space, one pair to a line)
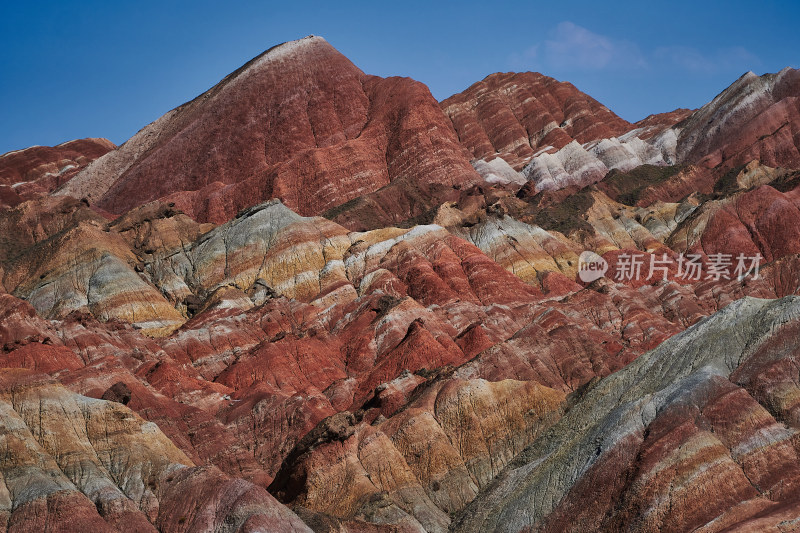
105, 69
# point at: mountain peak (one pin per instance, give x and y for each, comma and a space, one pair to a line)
293, 49
517, 114
751, 104
299, 122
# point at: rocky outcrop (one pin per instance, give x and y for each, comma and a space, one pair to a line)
205, 499
295, 256
658, 434
528, 251
760, 221
497, 170
581, 165
84, 268
75, 462
428, 461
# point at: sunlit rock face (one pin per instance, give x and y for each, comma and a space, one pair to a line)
296, 256
317, 300
66, 260
583, 165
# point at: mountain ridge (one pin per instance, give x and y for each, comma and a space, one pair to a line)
311, 299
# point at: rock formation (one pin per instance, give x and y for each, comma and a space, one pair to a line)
301, 123
679, 439
517, 115
317, 300
38, 170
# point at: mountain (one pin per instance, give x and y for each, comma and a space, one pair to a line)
699, 415
317, 300
753, 119
517, 115
38, 170
299, 122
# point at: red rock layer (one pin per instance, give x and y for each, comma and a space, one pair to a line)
28, 173
761, 221
515, 115
74, 463
658, 122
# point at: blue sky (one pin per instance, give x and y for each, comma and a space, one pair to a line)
106, 69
